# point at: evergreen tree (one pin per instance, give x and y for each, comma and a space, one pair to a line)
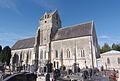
99, 48
114, 46
118, 47
0, 48
6, 54
105, 48
0, 53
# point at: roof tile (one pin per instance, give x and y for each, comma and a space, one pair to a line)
25, 43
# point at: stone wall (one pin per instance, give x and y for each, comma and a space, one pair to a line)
70, 49
24, 57
113, 58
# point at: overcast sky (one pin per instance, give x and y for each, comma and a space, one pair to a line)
19, 18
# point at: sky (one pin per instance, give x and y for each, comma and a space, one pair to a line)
19, 18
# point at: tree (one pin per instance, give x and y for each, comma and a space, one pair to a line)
105, 48
1, 53
6, 54
99, 49
116, 47
0, 48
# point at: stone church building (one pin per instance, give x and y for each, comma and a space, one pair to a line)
59, 45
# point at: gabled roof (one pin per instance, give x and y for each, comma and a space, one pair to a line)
49, 13
25, 43
111, 52
84, 29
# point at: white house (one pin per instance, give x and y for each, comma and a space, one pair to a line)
110, 60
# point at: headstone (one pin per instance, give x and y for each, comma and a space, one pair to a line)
47, 78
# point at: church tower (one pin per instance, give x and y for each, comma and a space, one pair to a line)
49, 23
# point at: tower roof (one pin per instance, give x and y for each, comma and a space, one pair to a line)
49, 13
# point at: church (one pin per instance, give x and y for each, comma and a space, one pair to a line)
62, 46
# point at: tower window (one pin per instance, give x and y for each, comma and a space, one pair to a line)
45, 21
41, 54
56, 17
45, 16
57, 22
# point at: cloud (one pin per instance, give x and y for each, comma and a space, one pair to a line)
10, 38
108, 39
6, 36
104, 37
9, 4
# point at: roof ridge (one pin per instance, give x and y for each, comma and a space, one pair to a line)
26, 38
75, 25
24, 43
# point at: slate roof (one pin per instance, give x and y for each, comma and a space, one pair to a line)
74, 31
25, 43
62, 33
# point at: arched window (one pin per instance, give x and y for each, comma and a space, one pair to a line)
56, 54
27, 57
82, 53
15, 59
118, 60
61, 55
57, 64
108, 60
68, 53
41, 54
30, 53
